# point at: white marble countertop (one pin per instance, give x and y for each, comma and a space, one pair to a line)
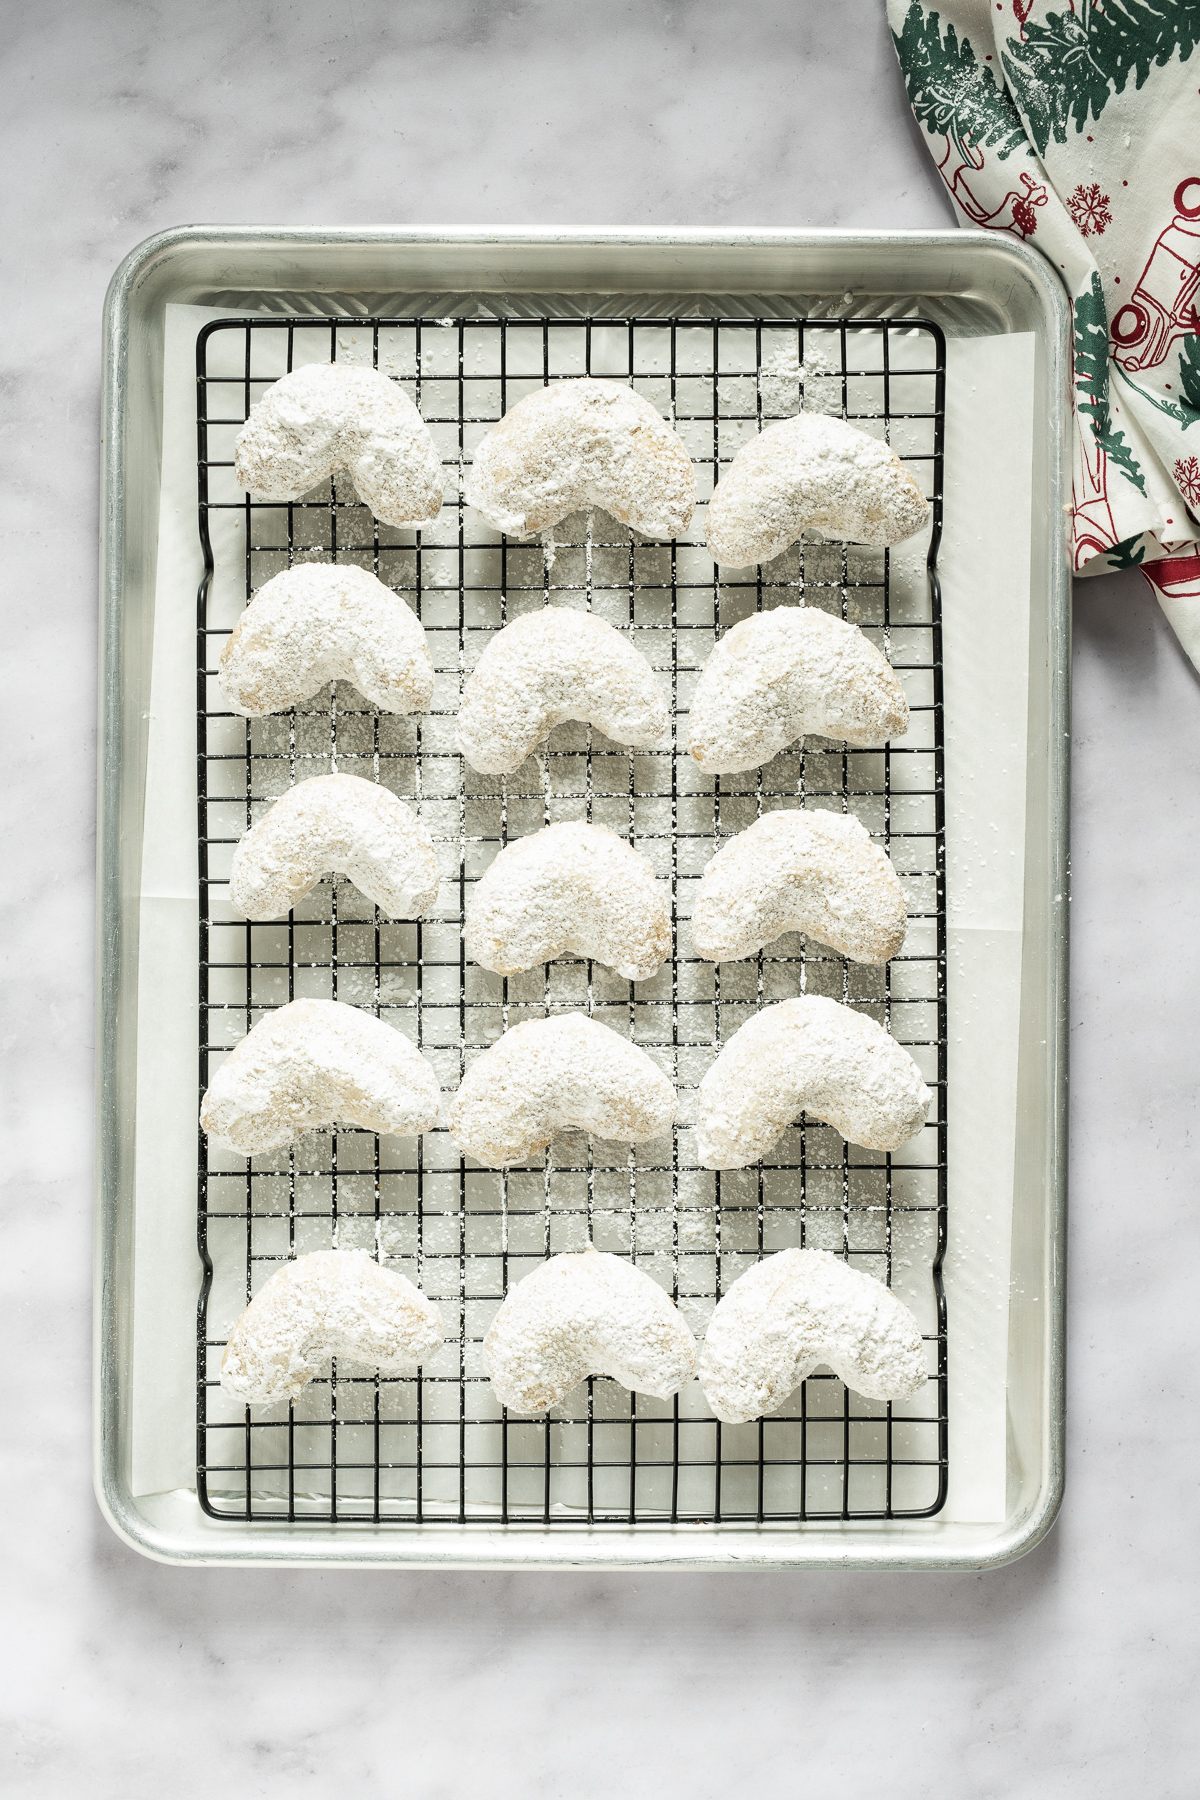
1070, 1673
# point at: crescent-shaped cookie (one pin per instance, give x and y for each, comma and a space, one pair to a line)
811, 871
337, 823
583, 443
322, 622
807, 1055
313, 1063
331, 1303
550, 1075
811, 471
330, 416
570, 890
797, 1309
590, 1314
787, 673
550, 666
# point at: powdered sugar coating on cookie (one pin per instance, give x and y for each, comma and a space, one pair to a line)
570, 890
787, 673
330, 416
807, 1055
582, 443
811, 471
561, 1074
331, 1303
795, 1310
322, 622
800, 870
550, 666
340, 824
315, 1063
581, 1315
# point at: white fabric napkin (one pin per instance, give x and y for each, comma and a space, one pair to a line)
1072, 125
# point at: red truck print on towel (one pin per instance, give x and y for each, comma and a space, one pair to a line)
1162, 307
1014, 213
1174, 577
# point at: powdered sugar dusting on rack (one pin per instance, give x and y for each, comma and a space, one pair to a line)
412, 1448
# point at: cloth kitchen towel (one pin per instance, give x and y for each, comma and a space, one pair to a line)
1075, 126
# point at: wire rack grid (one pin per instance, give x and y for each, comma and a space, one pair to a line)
360, 1447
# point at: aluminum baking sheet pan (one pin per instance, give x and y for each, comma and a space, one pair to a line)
427, 1471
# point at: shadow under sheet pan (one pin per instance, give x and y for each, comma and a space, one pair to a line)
909, 335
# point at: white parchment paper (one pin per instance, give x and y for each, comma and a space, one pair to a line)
985, 581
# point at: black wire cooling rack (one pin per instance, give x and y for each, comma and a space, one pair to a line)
360, 1447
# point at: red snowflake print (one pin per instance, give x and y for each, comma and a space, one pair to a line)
1089, 209
1187, 474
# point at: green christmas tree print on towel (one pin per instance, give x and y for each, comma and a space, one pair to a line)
1091, 380
956, 96
1065, 71
950, 90
1126, 555
1189, 375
